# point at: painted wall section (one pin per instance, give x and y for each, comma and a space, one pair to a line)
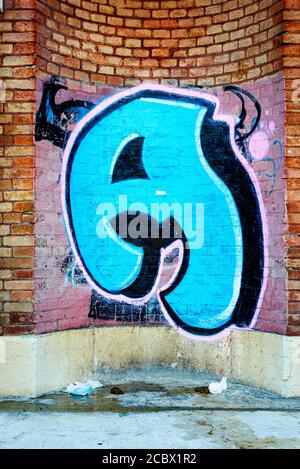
113, 300
98, 47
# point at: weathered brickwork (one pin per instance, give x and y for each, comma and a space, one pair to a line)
100, 46
184, 42
17, 70
291, 63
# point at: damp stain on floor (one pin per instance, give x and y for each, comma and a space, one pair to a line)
152, 409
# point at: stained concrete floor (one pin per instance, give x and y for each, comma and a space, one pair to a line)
159, 409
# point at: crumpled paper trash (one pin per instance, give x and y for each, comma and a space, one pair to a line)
82, 389
217, 387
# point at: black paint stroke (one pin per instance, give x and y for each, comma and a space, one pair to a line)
52, 119
242, 135
129, 164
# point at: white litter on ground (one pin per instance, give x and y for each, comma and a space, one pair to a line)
83, 389
216, 387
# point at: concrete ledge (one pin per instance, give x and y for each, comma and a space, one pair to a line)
35, 364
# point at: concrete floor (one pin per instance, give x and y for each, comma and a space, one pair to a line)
159, 409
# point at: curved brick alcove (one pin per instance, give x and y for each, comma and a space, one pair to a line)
103, 45
184, 42
96, 49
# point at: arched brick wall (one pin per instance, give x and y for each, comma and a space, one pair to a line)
183, 42
99, 46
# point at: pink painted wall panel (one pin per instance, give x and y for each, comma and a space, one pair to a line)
64, 300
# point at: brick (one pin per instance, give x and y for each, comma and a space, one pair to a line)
159, 52
179, 13
18, 329
23, 26
21, 229
20, 107
18, 173
151, 24
160, 72
11, 218
25, 4
23, 207
196, 51
191, 42
194, 12
230, 46
230, 26
23, 274
215, 49
20, 37
161, 33
115, 81
4, 230
6, 207
5, 252
130, 43
114, 41
133, 23
5, 184
171, 43
5, 26
21, 295
18, 129
212, 10
106, 70
152, 5
18, 263
161, 13
132, 62
5, 296
6, 49
123, 52
238, 55
18, 307
124, 71
19, 161
141, 53
11, 241
124, 12
4, 318
151, 43
23, 252
18, 285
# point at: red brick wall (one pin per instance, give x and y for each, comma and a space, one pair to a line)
291, 62
17, 30
115, 43
183, 42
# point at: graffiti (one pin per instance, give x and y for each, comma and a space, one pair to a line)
71, 270
54, 122
241, 133
259, 148
138, 285
254, 141
137, 146
145, 313
260, 144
